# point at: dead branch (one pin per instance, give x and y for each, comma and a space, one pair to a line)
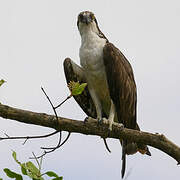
90, 128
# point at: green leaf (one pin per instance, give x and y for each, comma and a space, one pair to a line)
34, 171
51, 174
14, 156
82, 87
12, 174
31, 167
23, 169
33, 176
2, 81
76, 88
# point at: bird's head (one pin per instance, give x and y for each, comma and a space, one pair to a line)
86, 18
87, 22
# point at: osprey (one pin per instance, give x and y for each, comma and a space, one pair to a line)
111, 91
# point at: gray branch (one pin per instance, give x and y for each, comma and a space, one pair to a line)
90, 128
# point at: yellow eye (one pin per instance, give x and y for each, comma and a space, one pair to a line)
92, 16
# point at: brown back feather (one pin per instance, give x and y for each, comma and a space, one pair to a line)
121, 84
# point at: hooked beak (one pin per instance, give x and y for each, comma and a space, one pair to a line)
86, 19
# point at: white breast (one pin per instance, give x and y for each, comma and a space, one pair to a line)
91, 59
91, 52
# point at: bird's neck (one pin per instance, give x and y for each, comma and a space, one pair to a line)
90, 38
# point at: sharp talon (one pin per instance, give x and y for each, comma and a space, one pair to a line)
100, 121
86, 120
121, 126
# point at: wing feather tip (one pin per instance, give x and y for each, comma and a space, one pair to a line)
123, 166
66, 61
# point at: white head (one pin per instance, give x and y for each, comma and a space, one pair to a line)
87, 22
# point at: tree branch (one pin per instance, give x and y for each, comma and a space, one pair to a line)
90, 128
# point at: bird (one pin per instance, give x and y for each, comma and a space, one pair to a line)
111, 89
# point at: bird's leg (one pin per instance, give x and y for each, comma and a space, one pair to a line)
97, 104
111, 115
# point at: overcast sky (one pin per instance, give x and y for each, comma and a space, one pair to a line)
37, 35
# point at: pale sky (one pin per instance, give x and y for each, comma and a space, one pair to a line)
37, 35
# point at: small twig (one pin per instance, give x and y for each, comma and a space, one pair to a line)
106, 145
6, 135
49, 102
54, 109
63, 101
52, 148
28, 137
46, 152
65, 139
40, 166
36, 160
58, 143
39, 163
24, 141
38, 157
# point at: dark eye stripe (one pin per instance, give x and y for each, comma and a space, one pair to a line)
81, 16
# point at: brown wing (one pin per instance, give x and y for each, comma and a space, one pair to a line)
122, 90
122, 86
73, 72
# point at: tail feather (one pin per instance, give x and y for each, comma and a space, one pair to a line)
129, 148
123, 159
